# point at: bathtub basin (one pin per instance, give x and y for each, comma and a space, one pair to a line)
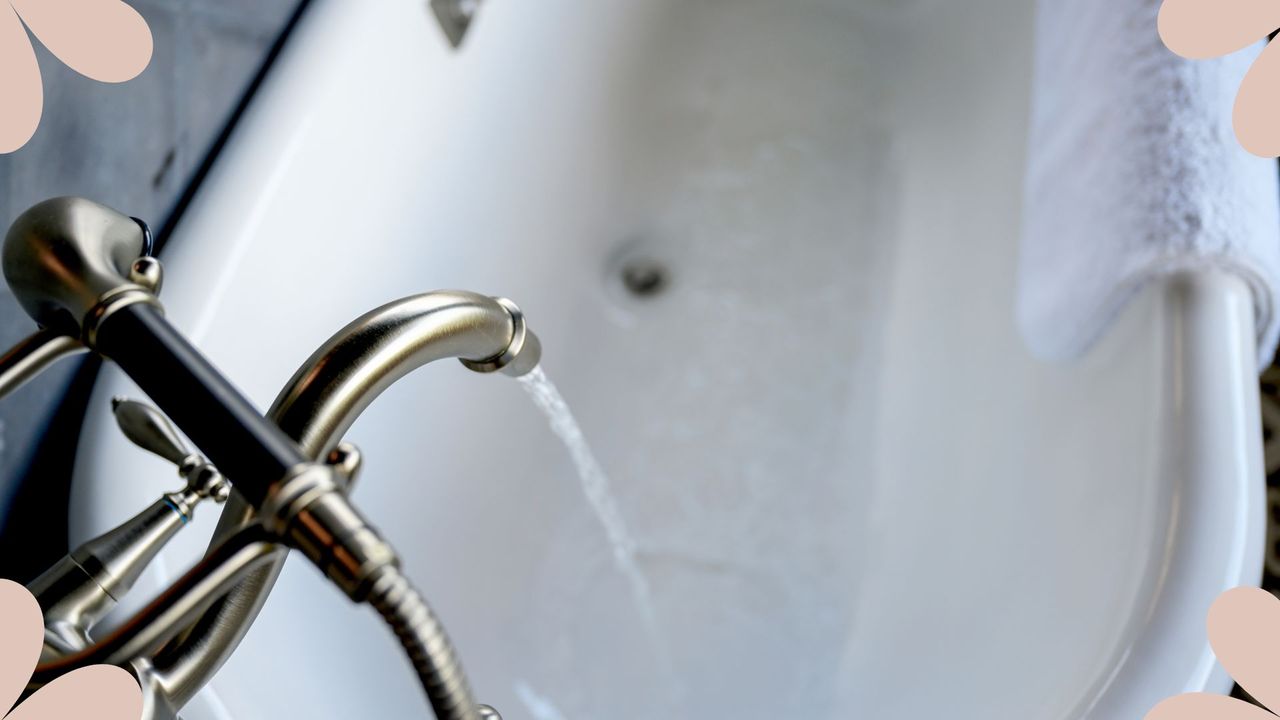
770, 250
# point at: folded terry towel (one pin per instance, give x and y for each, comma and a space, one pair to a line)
1134, 172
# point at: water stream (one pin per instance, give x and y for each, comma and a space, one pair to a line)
599, 493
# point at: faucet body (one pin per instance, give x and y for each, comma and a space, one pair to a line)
320, 403
81, 271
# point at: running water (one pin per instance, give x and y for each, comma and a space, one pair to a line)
595, 485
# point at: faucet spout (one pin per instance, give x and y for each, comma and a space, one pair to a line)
317, 407
341, 379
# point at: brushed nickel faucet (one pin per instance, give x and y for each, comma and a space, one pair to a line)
78, 591
84, 273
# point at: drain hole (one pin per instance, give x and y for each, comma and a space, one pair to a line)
644, 278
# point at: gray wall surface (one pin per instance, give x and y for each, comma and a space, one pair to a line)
132, 146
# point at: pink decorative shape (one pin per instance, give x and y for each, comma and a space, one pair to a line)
97, 692
1200, 29
21, 95
106, 40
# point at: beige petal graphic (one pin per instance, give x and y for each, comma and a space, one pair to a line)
97, 692
1257, 113
1244, 630
1199, 29
21, 95
22, 630
1199, 706
102, 39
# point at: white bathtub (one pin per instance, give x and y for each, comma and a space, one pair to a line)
854, 494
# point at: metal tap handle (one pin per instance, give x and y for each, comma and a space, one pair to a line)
84, 586
148, 428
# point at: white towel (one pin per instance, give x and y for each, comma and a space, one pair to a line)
1134, 172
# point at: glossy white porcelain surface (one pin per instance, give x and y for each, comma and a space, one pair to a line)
854, 493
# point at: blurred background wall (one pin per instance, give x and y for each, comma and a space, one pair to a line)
137, 147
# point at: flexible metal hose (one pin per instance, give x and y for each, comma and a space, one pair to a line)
428, 646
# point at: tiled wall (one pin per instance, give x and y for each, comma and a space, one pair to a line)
131, 146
